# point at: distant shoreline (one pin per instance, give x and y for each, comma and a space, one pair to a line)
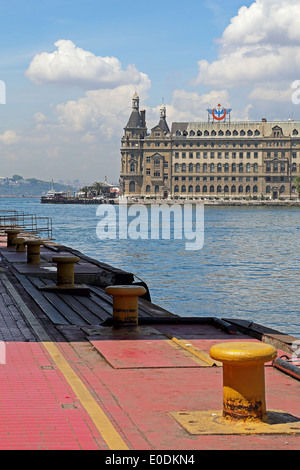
276, 203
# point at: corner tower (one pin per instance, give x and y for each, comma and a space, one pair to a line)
131, 176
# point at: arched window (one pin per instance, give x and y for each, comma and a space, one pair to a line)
219, 167
212, 189
233, 167
192, 133
185, 133
248, 168
295, 132
226, 189
204, 167
148, 188
132, 187
256, 132
176, 168
199, 133
248, 189
241, 168
191, 189
255, 189
176, 189
204, 190
255, 167
241, 189
235, 132
242, 133
282, 189
249, 132
233, 189
191, 168
226, 167
206, 133
178, 133
132, 168
213, 133
197, 167
268, 189
212, 168
183, 188
183, 167
197, 188
219, 188
228, 133
220, 133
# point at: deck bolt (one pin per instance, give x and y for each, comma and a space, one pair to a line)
243, 378
20, 244
65, 270
11, 235
125, 304
33, 250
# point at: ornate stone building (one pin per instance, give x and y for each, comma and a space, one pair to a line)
208, 159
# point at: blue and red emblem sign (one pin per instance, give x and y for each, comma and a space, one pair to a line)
219, 113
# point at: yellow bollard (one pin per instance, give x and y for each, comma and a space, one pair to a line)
125, 304
20, 246
243, 378
33, 250
65, 270
11, 235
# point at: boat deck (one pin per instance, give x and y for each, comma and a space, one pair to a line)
69, 380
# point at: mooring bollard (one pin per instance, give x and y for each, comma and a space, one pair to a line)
65, 270
33, 250
20, 244
11, 235
125, 304
243, 378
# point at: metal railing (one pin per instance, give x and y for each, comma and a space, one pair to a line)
28, 222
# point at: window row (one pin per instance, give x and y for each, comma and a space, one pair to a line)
214, 133
212, 167
219, 189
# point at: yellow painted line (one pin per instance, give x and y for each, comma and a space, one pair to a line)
101, 421
103, 424
195, 351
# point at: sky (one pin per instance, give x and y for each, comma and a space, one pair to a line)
70, 69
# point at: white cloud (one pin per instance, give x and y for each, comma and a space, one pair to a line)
71, 65
40, 117
9, 138
104, 110
260, 47
271, 94
264, 22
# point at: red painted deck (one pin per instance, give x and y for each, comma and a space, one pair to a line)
73, 386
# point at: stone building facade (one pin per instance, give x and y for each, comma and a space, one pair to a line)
209, 159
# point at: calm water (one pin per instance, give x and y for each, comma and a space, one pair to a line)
248, 268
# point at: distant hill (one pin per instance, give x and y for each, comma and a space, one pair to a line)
29, 187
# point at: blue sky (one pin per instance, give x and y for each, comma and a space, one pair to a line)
66, 66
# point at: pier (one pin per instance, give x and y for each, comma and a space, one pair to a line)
75, 378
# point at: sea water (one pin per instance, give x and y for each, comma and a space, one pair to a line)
248, 267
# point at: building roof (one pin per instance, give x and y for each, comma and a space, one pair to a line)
135, 120
163, 125
255, 128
